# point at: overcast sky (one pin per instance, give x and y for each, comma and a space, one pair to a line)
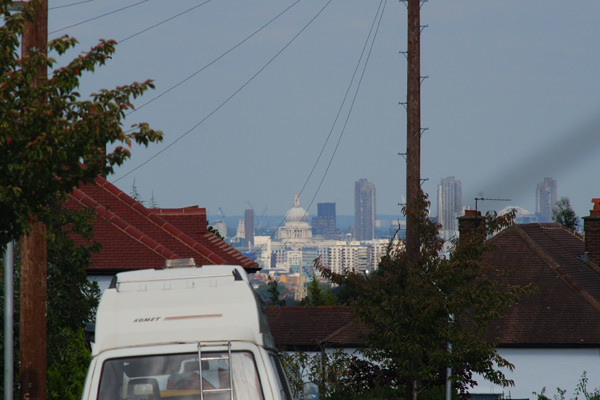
512, 96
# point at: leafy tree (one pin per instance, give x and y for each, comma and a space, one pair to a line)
274, 293
317, 296
214, 231
563, 213
50, 142
72, 300
581, 391
135, 195
414, 308
46, 130
153, 202
329, 370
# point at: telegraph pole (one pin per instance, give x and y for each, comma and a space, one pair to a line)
413, 126
33, 330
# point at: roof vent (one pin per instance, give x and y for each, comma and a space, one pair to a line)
180, 263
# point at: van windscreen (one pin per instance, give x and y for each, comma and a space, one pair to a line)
179, 377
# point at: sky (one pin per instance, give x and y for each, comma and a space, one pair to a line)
260, 100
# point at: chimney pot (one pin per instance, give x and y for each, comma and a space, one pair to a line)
468, 224
474, 213
596, 210
591, 228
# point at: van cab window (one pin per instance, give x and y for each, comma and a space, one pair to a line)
181, 377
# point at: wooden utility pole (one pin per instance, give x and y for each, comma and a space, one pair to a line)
33, 331
413, 126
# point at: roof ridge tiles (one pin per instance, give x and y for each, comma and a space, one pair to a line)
335, 333
123, 225
161, 223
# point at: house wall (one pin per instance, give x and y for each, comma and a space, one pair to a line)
549, 368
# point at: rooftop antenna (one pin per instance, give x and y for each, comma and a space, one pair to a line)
483, 198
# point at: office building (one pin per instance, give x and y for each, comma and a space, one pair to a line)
545, 199
449, 206
324, 224
364, 210
249, 227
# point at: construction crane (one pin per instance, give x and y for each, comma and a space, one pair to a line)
484, 199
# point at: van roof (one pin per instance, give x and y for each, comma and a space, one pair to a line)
181, 305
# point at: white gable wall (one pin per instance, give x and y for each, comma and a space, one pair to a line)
549, 368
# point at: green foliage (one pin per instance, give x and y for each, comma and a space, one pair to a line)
71, 300
214, 231
343, 376
378, 393
318, 296
50, 139
329, 370
68, 363
414, 308
134, 194
388, 393
581, 391
274, 293
563, 213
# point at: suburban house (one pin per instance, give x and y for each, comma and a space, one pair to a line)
551, 337
135, 237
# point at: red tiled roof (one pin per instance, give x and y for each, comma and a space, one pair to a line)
134, 237
565, 310
308, 328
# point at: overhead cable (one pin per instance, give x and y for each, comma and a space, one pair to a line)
230, 97
99, 16
70, 5
370, 38
215, 60
351, 107
343, 100
163, 21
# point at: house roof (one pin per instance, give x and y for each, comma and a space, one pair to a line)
565, 310
309, 328
135, 237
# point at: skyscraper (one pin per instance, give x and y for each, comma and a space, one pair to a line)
249, 227
364, 210
545, 199
449, 205
326, 221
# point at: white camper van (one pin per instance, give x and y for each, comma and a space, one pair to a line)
194, 333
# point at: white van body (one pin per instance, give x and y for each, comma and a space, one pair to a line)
191, 333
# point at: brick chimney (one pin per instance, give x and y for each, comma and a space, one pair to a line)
468, 223
591, 228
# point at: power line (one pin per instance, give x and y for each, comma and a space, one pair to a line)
377, 21
351, 105
230, 97
216, 59
70, 5
164, 21
343, 101
98, 17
